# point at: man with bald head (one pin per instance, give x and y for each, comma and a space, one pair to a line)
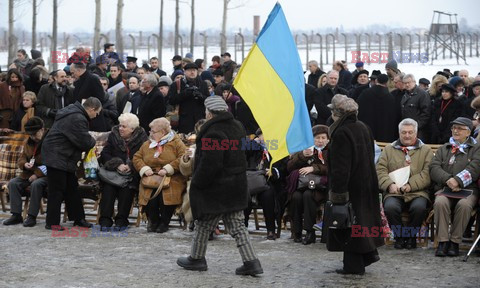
53, 97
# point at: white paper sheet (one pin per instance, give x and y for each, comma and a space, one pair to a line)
400, 176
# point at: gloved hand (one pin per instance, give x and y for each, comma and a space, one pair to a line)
52, 113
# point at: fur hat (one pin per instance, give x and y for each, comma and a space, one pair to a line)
319, 129
341, 105
33, 125
476, 103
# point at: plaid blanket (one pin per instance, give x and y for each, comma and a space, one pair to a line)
9, 155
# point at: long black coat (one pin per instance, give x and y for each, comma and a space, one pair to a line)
441, 132
375, 108
416, 105
50, 98
326, 94
88, 85
116, 152
192, 106
352, 173
313, 77
67, 139
244, 115
219, 182
151, 107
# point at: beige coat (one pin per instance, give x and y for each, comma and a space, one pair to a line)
169, 160
393, 159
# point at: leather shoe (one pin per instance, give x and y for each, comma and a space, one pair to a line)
309, 238
30, 221
193, 264
271, 235
54, 227
297, 238
13, 220
411, 243
162, 228
399, 243
442, 249
82, 223
251, 268
343, 272
453, 249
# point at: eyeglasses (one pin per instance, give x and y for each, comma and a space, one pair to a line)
154, 132
458, 128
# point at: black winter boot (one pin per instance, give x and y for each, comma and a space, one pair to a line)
251, 268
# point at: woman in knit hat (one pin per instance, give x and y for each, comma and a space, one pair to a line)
33, 176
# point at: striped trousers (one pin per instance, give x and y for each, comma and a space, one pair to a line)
234, 223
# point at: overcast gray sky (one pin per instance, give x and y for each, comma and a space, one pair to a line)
78, 16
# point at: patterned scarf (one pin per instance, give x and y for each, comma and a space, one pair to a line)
159, 145
461, 147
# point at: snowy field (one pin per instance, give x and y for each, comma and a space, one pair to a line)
420, 70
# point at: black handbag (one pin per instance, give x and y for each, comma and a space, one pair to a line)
311, 181
114, 178
338, 220
256, 182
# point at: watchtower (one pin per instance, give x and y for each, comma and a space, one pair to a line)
444, 35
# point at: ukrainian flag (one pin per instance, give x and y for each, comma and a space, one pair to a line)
271, 82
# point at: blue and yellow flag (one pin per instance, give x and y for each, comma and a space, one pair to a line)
271, 83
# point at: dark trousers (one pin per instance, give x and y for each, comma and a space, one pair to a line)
303, 204
266, 200
107, 203
62, 185
417, 209
356, 262
158, 212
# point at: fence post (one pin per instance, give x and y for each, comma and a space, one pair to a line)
133, 44
321, 53
204, 47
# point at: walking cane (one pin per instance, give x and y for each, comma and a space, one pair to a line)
471, 249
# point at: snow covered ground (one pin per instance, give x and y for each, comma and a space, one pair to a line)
420, 70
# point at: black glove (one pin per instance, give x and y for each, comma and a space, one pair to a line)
52, 113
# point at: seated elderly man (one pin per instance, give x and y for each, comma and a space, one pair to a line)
408, 152
454, 170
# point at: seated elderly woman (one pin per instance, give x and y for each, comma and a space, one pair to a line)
304, 203
455, 170
161, 154
408, 152
123, 142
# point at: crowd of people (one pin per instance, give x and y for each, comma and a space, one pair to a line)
149, 113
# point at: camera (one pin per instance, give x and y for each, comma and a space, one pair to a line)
194, 91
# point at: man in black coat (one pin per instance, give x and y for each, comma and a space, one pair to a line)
151, 105
375, 108
352, 177
53, 97
416, 105
326, 94
189, 93
315, 73
219, 188
86, 84
62, 149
